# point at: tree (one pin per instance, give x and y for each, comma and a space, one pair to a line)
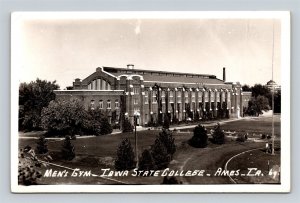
147, 162
125, 156
168, 141
68, 149
257, 105
218, 135
33, 97
42, 147
246, 88
262, 90
160, 155
66, 118
200, 137
277, 102
105, 127
127, 127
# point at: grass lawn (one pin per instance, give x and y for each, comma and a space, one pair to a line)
260, 160
94, 153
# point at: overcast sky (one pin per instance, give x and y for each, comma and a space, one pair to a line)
63, 50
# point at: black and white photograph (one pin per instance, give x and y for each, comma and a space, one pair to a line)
150, 102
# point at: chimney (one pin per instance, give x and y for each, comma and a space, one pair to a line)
224, 74
130, 66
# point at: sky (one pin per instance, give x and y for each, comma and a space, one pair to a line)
63, 50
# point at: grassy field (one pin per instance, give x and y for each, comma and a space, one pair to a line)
94, 153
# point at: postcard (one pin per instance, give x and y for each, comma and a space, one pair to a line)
160, 102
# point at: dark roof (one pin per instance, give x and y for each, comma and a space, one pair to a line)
165, 76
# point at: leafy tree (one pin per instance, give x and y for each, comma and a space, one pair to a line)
262, 90
127, 127
147, 162
200, 137
125, 156
42, 147
68, 149
168, 141
160, 154
277, 102
246, 88
218, 136
257, 105
66, 118
33, 97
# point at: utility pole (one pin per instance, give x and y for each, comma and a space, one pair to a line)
273, 89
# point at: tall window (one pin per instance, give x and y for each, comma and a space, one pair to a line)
100, 104
193, 96
186, 97
135, 101
116, 104
178, 97
136, 90
163, 96
171, 95
146, 97
108, 104
155, 96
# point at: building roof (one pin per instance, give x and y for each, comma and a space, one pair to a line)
165, 76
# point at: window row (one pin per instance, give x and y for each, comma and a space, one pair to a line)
108, 104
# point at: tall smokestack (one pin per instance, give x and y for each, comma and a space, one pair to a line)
224, 74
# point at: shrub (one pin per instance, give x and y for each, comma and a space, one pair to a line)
28, 173
269, 137
200, 137
127, 127
147, 162
125, 156
42, 147
166, 123
263, 136
68, 149
105, 127
218, 135
160, 155
168, 141
241, 138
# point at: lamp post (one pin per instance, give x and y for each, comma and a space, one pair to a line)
135, 116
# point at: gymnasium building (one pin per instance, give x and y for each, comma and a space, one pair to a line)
151, 95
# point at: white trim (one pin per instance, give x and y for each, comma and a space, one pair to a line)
148, 81
86, 90
107, 72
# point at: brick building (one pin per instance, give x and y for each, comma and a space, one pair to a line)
151, 95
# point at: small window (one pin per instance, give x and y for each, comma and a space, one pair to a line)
100, 104
108, 104
92, 104
135, 101
116, 104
